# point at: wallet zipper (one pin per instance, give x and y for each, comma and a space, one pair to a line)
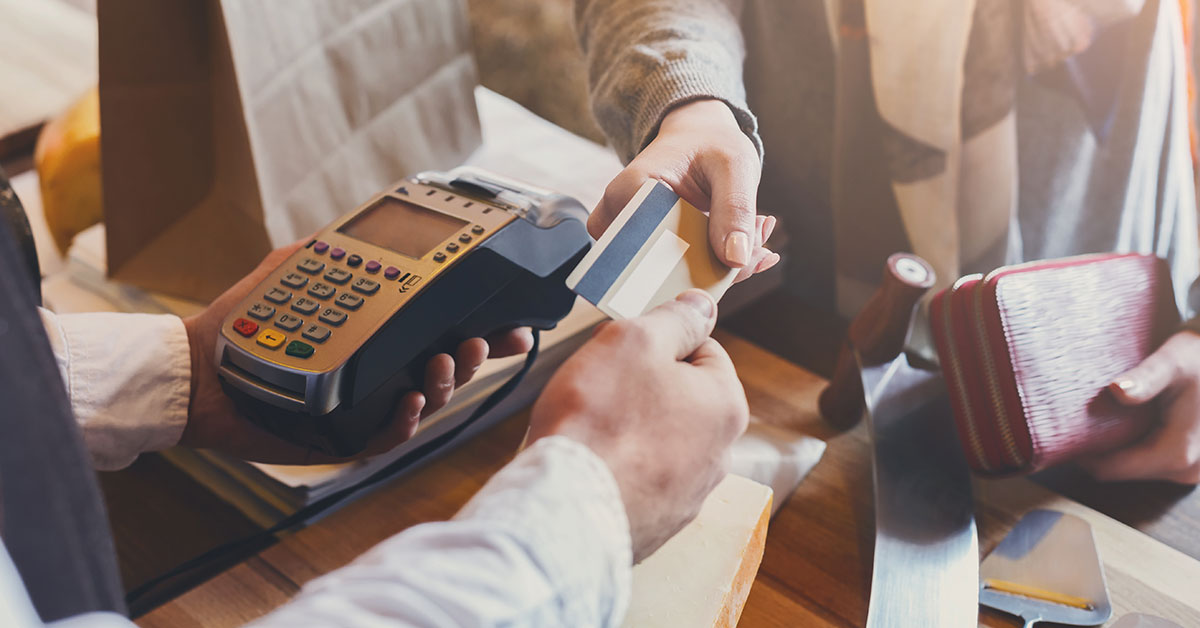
992, 379
956, 370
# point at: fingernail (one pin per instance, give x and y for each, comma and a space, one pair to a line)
1127, 386
769, 228
737, 248
768, 263
701, 300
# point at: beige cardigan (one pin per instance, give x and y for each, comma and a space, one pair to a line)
825, 172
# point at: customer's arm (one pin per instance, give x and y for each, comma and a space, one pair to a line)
646, 56
666, 82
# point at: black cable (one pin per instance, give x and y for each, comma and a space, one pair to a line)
321, 505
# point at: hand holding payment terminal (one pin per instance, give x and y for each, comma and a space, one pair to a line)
322, 349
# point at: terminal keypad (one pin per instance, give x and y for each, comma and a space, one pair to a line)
325, 288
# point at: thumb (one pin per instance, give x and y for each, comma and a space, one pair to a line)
681, 326
733, 207
1147, 380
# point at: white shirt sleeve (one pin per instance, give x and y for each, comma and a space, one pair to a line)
544, 543
128, 377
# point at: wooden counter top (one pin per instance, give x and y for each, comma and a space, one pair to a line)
817, 566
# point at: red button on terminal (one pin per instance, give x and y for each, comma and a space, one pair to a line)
245, 327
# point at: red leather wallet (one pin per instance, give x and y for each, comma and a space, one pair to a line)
1028, 352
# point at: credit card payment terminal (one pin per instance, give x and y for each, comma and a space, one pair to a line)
321, 350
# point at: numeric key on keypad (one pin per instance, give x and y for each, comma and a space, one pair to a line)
321, 290
365, 286
349, 301
278, 295
289, 322
294, 280
316, 333
311, 266
338, 275
305, 305
332, 316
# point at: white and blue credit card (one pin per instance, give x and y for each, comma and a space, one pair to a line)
655, 249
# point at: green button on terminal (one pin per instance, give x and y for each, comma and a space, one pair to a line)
299, 349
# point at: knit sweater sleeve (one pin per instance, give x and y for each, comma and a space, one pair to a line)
646, 56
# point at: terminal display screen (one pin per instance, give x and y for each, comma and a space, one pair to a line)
402, 227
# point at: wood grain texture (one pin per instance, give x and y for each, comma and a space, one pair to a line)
160, 517
817, 565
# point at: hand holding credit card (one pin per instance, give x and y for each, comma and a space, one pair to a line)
655, 249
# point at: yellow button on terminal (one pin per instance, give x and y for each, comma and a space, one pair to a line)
271, 339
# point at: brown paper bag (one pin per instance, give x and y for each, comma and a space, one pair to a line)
230, 127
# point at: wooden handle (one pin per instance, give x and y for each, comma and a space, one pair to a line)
878, 333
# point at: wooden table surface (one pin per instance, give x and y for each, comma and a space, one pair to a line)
817, 564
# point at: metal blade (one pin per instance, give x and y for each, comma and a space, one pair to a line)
1054, 553
926, 569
